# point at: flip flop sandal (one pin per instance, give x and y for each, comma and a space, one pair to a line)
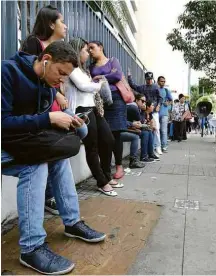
108, 193
118, 185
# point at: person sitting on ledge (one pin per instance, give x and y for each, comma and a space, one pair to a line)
26, 83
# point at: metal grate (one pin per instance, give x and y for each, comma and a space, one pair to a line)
18, 19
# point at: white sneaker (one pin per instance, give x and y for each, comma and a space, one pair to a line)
155, 153
158, 150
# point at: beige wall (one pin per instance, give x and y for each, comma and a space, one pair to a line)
156, 18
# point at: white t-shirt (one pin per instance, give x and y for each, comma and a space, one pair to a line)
80, 89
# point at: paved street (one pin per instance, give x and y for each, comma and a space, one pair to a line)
184, 240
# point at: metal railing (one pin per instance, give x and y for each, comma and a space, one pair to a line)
18, 19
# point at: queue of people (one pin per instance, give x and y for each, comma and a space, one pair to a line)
51, 101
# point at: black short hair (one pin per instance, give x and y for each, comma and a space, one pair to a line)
181, 96
61, 52
148, 103
138, 96
160, 77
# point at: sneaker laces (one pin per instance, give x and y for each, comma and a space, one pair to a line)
84, 227
44, 248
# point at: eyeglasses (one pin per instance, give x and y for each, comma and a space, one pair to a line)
143, 101
162, 81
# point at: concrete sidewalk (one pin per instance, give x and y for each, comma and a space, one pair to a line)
184, 240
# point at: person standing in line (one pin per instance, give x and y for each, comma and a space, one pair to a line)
178, 110
49, 27
115, 114
81, 93
164, 113
151, 92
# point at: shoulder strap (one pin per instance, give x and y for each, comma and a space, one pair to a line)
41, 43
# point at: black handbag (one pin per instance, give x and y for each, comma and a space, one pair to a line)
42, 147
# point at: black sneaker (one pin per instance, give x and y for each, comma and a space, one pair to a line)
136, 164
148, 160
155, 157
50, 206
84, 232
44, 261
164, 150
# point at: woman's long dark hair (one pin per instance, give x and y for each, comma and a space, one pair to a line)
45, 17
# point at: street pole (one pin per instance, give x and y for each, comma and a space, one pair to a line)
189, 80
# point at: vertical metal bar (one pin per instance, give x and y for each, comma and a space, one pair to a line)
3, 31
85, 20
106, 42
40, 5
53, 3
70, 20
60, 7
66, 17
23, 20
75, 18
11, 32
103, 25
94, 26
88, 21
32, 15
91, 32
80, 16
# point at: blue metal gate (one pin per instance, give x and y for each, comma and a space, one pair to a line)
18, 19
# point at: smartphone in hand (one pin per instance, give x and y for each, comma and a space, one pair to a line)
84, 114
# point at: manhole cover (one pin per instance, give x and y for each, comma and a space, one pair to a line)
186, 204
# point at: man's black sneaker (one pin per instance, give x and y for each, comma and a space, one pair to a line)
50, 206
136, 164
44, 261
148, 160
84, 232
155, 157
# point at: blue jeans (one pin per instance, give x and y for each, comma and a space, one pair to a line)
146, 144
31, 196
163, 131
134, 139
82, 133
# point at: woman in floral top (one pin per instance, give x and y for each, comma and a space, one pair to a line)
177, 114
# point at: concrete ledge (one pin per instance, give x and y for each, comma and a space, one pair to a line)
80, 172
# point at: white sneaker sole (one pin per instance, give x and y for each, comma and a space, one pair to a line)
90, 241
45, 273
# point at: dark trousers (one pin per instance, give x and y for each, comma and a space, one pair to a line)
98, 146
118, 147
178, 130
146, 144
184, 136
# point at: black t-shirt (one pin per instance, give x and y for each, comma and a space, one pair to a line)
32, 45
